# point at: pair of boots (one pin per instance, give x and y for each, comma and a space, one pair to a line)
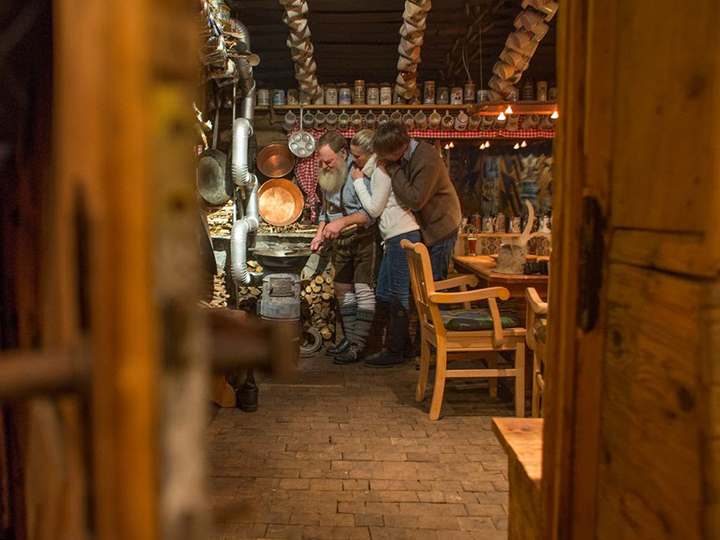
399, 348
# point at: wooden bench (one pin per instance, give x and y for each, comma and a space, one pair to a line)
521, 438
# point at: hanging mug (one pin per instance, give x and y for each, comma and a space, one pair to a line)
474, 123
447, 121
546, 123
461, 121
500, 124
319, 120
488, 224
383, 118
512, 122
289, 121
530, 121
435, 120
409, 121
356, 121
331, 120
343, 121
308, 120
396, 117
486, 122
421, 120
515, 225
370, 120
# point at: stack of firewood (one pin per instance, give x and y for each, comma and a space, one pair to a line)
220, 220
220, 294
318, 308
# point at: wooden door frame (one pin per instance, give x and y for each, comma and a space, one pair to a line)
583, 165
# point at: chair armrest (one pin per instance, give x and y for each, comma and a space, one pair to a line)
467, 279
469, 296
534, 301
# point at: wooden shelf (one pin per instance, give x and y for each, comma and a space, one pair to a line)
484, 108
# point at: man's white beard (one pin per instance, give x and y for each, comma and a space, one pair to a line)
332, 180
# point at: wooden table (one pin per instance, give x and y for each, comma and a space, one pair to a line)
483, 267
522, 440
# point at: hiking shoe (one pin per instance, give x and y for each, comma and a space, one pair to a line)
341, 347
352, 355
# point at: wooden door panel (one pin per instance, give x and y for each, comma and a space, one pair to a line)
650, 473
663, 162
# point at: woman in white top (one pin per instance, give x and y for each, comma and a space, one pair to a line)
396, 224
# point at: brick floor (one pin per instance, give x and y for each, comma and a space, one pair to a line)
345, 453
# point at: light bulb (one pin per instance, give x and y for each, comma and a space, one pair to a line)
517, 146
523, 144
509, 110
452, 145
487, 144
447, 146
501, 116
555, 115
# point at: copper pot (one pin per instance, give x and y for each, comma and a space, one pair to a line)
280, 202
275, 160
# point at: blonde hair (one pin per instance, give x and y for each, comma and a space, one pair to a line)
363, 139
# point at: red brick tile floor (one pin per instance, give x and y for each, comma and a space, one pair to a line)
344, 452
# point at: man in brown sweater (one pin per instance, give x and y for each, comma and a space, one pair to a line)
422, 183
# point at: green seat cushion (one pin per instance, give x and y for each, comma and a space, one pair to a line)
540, 330
468, 320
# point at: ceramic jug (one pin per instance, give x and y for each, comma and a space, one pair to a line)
488, 224
500, 223
544, 226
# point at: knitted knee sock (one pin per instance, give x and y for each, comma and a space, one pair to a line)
365, 312
347, 305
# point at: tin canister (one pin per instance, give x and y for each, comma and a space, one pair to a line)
359, 92
542, 91
293, 96
469, 96
385, 94
373, 94
552, 94
443, 96
263, 97
456, 95
331, 95
483, 95
429, 92
345, 95
278, 97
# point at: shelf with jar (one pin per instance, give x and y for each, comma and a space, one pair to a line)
483, 109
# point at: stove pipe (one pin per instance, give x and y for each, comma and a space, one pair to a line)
242, 130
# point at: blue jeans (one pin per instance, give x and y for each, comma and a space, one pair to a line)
440, 255
394, 278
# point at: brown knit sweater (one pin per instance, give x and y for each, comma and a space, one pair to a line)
424, 186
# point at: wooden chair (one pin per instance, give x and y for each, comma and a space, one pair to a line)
536, 334
434, 332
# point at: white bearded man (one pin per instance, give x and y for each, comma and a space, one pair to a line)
356, 252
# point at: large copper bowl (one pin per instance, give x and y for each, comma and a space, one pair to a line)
275, 161
280, 202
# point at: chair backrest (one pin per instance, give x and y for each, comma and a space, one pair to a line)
421, 277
